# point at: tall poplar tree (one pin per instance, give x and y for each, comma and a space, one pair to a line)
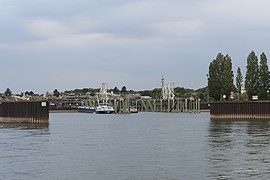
220, 77
226, 79
214, 84
239, 82
263, 78
252, 77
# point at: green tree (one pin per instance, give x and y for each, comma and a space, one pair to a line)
263, 78
30, 93
202, 94
214, 77
124, 89
8, 92
226, 78
220, 77
239, 82
116, 90
252, 77
156, 93
56, 93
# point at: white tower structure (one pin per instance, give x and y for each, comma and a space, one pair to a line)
103, 94
167, 90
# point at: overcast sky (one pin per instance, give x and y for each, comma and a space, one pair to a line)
67, 44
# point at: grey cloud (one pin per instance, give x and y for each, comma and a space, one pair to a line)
142, 38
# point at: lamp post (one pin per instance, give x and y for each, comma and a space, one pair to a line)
224, 97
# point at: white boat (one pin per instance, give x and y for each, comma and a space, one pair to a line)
104, 109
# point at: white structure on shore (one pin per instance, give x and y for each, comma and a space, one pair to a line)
167, 90
103, 94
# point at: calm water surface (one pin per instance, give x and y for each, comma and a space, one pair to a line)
136, 146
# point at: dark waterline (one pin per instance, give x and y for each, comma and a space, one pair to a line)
136, 146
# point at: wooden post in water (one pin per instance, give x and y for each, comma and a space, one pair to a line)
196, 106
121, 106
161, 105
190, 105
168, 106
177, 105
173, 108
186, 104
115, 105
126, 106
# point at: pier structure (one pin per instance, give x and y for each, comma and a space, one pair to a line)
169, 105
122, 105
168, 102
125, 102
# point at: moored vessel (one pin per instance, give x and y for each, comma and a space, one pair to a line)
104, 109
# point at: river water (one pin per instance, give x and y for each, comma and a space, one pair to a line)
135, 146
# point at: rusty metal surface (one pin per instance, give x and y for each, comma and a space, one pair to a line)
240, 110
25, 111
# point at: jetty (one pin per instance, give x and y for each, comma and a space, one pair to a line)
127, 103
123, 105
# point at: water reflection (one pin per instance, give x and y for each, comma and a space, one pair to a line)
24, 126
33, 129
22, 145
239, 149
219, 134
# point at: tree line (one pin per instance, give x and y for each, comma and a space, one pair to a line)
256, 83
156, 93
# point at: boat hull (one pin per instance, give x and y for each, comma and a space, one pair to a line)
86, 110
104, 112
